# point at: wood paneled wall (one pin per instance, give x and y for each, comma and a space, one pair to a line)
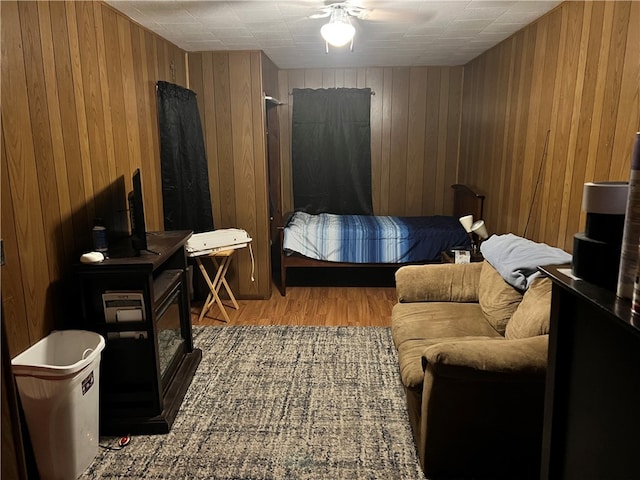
231, 103
550, 108
415, 127
553, 107
78, 115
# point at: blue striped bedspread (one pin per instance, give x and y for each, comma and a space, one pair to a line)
372, 239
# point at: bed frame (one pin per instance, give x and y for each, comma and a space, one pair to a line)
465, 202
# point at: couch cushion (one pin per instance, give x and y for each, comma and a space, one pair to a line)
532, 316
446, 282
497, 298
415, 326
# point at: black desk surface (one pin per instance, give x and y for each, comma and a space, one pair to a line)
606, 300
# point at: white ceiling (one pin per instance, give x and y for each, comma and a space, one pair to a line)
395, 33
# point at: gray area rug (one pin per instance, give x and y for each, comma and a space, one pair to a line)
281, 402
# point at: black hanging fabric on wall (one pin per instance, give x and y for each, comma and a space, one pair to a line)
185, 179
331, 150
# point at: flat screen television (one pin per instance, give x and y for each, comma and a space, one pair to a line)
136, 215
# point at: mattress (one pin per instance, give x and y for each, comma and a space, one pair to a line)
372, 239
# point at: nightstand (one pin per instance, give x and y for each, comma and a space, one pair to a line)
448, 257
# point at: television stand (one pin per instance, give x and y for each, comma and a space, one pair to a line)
140, 305
146, 250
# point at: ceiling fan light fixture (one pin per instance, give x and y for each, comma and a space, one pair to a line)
339, 31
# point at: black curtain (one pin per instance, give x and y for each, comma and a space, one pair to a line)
185, 179
331, 150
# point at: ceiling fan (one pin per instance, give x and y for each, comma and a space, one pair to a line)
376, 11
340, 30
346, 7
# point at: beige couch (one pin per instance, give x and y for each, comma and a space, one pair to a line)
472, 354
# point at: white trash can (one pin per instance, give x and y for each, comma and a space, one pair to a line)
58, 381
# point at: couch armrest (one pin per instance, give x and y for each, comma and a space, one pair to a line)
486, 360
482, 409
447, 282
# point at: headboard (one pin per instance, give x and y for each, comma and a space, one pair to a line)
467, 202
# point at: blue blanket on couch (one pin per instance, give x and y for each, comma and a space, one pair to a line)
517, 259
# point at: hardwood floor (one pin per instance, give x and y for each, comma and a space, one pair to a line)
309, 305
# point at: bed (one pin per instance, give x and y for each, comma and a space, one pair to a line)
327, 240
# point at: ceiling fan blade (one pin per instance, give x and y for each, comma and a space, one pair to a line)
320, 15
395, 16
376, 11
385, 10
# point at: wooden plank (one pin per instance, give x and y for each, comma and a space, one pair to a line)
103, 80
80, 113
204, 72
628, 111
117, 99
525, 66
151, 46
430, 159
474, 166
613, 82
536, 107
147, 115
94, 112
398, 141
557, 153
546, 120
442, 189
260, 209
487, 87
339, 78
508, 87
375, 81
387, 122
361, 81
599, 92
313, 78
23, 178
69, 125
39, 117
493, 118
571, 216
416, 141
328, 78
131, 124
242, 140
350, 78
224, 133
285, 143
57, 152
14, 308
454, 115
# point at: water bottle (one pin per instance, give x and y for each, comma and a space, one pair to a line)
100, 237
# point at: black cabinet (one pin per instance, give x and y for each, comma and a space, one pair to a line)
140, 305
592, 406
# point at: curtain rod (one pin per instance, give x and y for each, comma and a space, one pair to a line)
372, 92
